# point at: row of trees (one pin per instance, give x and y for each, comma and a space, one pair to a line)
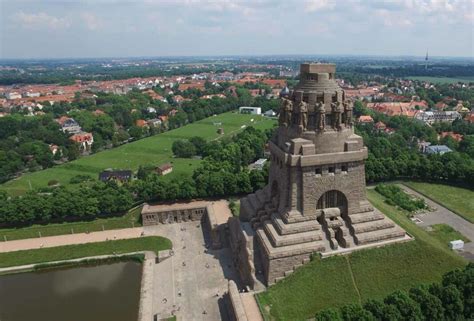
61, 204
452, 299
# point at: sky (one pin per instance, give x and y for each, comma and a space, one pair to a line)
126, 28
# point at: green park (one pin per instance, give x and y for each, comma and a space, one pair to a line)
155, 150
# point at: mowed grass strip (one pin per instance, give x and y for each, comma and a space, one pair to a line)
326, 283
69, 252
446, 234
154, 150
129, 220
441, 80
315, 286
457, 199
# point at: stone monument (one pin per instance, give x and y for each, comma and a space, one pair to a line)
315, 201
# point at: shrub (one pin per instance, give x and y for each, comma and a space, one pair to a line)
396, 196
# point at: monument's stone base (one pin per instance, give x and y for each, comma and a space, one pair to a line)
282, 243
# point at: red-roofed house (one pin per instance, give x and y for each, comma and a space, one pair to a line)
456, 137
366, 119
85, 140
141, 123
98, 112
380, 126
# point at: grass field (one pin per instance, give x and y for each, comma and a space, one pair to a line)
153, 150
439, 80
325, 283
446, 234
457, 199
68, 252
130, 219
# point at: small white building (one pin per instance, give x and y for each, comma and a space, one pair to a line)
259, 164
250, 110
456, 245
13, 95
270, 113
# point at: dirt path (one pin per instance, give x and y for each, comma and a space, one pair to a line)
80, 238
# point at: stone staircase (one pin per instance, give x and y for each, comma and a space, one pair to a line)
370, 227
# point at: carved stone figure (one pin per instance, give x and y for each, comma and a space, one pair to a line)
348, 106
337, 110
303, 113
321, 115
286, 113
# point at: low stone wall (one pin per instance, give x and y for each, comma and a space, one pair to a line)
145, 309
237, 308
153, 215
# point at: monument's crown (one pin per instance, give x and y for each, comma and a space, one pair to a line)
316, 68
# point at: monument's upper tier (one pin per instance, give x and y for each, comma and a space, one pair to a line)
317, 77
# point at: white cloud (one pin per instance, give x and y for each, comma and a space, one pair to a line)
41, 20
91, 21
316, 5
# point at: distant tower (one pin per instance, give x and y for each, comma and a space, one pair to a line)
426, 60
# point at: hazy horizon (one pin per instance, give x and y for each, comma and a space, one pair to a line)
75, 29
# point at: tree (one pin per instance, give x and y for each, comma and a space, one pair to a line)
183, 148
328, 315
354, 312
430, 305
409, 309
200, 144
382, 311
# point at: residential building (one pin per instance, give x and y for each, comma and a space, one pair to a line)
118, 175
270, 113
164, 169
437, 149
85, 141
69, 125
366, 119
430, 117
250, 110
13, 95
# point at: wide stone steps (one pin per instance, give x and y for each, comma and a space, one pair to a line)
298, 227
366, 217
372, 226
288, 250
278, 240
380, 235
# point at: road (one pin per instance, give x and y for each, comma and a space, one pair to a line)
441, 215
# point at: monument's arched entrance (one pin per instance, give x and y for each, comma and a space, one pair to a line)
332, 208
331, 199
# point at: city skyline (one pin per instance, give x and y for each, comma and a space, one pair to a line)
109, 28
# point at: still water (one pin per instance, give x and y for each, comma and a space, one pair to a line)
92, 293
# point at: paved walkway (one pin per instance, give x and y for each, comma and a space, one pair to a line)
192, 281
441, 215
69, 239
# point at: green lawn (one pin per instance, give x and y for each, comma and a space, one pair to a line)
439, 80
446, 234
153, 150
68, 252
325, 283
131, 219
457, 199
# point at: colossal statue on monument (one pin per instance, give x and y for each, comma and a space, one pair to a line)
315, 200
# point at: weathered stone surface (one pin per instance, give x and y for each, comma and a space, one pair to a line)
315, 200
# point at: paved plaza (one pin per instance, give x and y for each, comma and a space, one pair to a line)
193, 280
